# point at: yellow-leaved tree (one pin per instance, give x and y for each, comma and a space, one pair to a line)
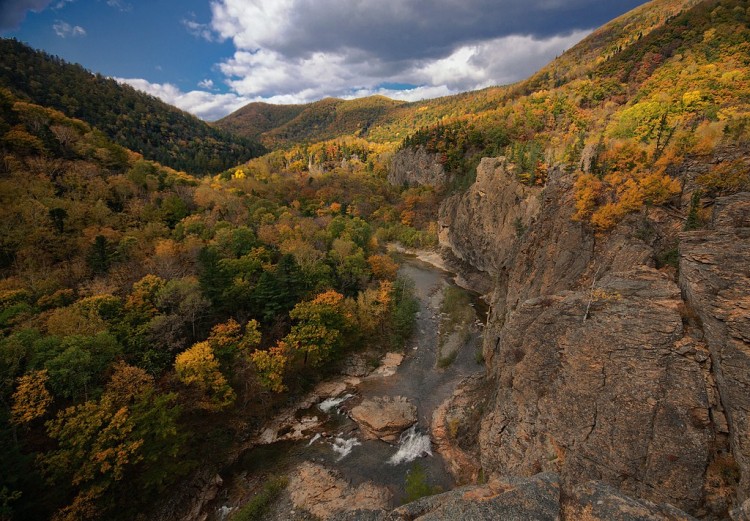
197, 367
270, 366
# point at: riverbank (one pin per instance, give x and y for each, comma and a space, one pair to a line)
319, 431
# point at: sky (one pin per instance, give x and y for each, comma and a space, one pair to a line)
211, 57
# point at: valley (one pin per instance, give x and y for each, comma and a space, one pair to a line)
523, 302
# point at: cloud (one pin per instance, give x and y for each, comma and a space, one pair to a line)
398, 29
298, 51
206, 84
301, 50
197, 29
120, 5
496, 61
64, 29
61, 3
206, 105
267, 76
12, 12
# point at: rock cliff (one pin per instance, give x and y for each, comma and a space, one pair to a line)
537, 498
602, 366
416, 167
715, 279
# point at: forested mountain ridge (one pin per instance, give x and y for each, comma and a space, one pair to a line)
285, 125
132, 119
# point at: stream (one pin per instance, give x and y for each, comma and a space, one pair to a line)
419, 378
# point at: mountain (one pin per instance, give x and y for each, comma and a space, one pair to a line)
254, 119
131, 118
280, 125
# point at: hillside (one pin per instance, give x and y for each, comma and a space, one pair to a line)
254, 119
325, 119
130, 118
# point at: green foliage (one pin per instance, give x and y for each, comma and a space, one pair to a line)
258, 506
669, 257
403, 313
693, 221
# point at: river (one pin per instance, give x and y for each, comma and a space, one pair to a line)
420, 378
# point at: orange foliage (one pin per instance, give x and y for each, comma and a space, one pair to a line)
31, 399
382, 267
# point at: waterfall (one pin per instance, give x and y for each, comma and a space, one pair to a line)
412, 445
343, 447
314, 439
332, 403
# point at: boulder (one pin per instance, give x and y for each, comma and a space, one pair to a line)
323, 493
384, 418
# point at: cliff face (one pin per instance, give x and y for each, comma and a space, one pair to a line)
715, 279
496, 208
604, 368
416, 167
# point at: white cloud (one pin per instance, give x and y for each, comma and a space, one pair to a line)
294, 51
206, 105
61, 3
298, 51
64, 29
270, 77
268, 74
120, 5
494, 62
197, 29
206, 84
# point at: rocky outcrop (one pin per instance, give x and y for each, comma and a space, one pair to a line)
715, 278
384, 418
511, 499
455, 427
596, 501
416, 166
323, 493
604, 368
596, 385
481, 225
538, 498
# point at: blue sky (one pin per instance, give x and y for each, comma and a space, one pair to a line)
211, 57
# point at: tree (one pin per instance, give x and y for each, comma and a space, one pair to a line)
127, 440
317, 333
383, 267
197, 367
270, 366
31, 399
100, 255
